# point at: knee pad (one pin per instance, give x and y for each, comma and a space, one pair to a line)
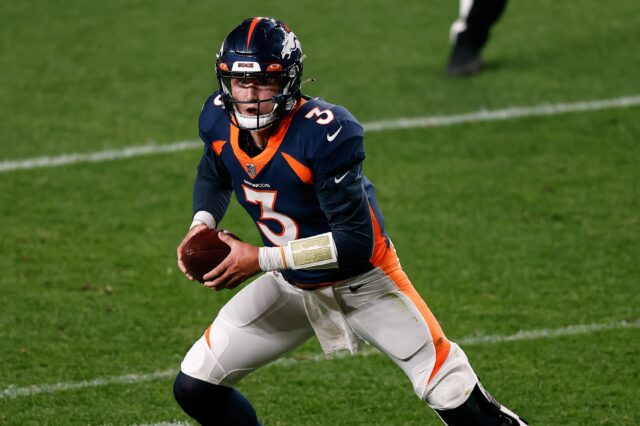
208, 359
453, 383
201, 361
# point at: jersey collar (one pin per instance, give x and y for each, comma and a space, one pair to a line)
254, 165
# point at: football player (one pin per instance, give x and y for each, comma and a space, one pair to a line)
295, 165
469, 33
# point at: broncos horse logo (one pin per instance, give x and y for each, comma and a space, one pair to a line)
289, 45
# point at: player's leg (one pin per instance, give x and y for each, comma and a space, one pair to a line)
470, 32
480, 409
213, 404
474, 22
261, 323
388, 313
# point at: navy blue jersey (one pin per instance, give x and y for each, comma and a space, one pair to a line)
307, 181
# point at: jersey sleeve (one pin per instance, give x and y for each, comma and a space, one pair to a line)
212, 186
344, 201
336, 159
339, 146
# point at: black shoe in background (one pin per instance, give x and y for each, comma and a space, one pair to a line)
464, 61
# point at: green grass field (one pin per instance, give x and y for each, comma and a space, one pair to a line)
503, 226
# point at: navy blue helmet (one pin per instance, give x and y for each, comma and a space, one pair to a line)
260, 48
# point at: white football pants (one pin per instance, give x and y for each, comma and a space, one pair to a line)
268, 319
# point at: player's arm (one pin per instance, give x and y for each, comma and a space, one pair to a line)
211, 197
350, 242
344, 201
211, 190
337, 170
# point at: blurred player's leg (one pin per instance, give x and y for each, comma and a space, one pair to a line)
261, 323
387, 312
470, 32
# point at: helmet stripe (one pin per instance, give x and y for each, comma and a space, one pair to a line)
251, 28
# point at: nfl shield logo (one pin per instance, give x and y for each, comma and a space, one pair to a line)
251, 169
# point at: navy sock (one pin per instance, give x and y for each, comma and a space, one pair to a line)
211, 404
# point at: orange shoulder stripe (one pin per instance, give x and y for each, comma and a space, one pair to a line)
303, 172
217, 146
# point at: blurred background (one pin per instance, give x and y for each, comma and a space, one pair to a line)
521, 233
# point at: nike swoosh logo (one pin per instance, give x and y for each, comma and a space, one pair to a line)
355, 288
338, 180
330, 138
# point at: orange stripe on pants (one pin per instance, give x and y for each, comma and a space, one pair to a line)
385, 257
207, 336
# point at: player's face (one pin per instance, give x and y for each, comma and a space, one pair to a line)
263, 89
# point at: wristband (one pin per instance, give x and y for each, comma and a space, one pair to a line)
203, 218
317, 252
271, 259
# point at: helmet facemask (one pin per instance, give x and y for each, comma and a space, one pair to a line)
283, 101
259, 49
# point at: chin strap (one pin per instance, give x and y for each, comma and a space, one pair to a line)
256, 122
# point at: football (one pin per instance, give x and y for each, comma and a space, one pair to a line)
203, 252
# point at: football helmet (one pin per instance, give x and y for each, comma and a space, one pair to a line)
263, 50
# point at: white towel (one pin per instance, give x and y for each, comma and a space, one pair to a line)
328, 321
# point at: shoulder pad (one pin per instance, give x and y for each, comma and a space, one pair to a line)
334, 136
212, 116
329, 123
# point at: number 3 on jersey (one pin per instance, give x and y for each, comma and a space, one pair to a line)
267, 201
324, 116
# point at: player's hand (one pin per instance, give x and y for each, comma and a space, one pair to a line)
241, 263
193, 231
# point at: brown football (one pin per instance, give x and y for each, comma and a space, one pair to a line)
203, 252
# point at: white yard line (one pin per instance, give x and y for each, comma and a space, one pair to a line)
13, 392
375, 126
502, 114
96, 157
